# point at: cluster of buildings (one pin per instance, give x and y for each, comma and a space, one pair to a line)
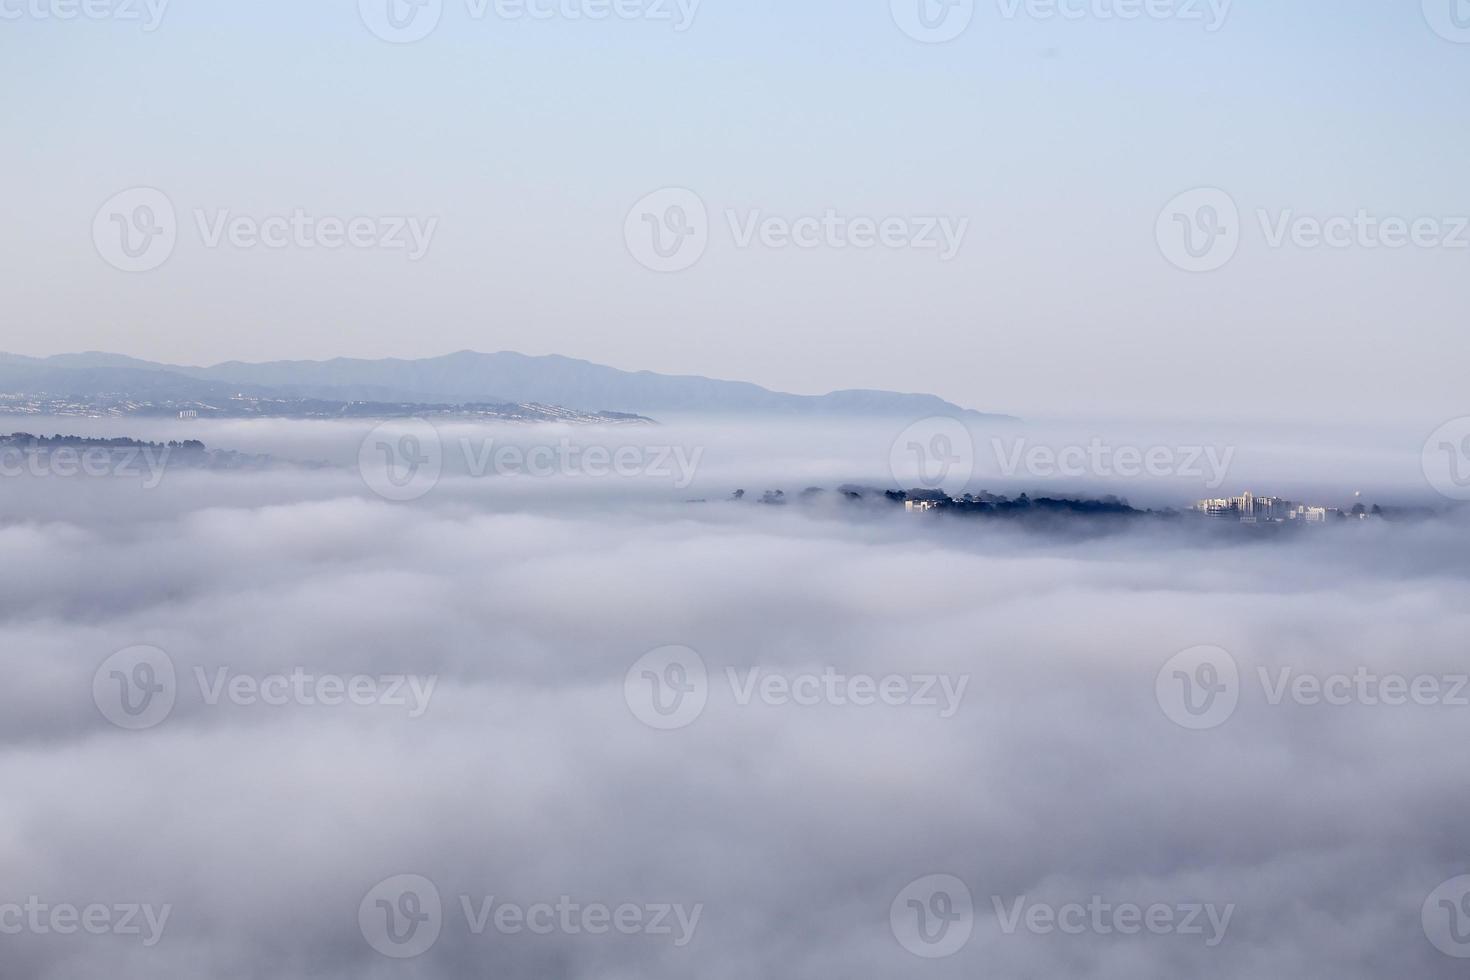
1250, 509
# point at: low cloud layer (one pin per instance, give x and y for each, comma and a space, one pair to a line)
366, 693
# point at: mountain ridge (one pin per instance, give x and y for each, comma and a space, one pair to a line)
469, 376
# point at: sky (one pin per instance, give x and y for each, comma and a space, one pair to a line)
531, 153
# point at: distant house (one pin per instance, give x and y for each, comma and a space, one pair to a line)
1250, 509
189, 413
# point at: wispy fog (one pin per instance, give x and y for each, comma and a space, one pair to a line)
575, 725
1152, 464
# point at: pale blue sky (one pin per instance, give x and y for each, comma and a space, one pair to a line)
1059, 141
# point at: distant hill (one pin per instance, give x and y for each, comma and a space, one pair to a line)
455, 378
28, 376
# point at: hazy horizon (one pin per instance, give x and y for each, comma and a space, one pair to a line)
1409, 424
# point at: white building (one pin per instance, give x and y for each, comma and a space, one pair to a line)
1250, 509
